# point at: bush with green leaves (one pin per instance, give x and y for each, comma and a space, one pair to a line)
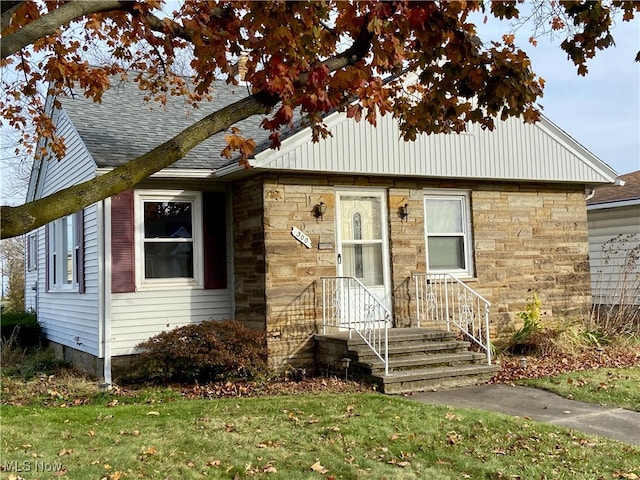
209, 351
22, 327
530, 337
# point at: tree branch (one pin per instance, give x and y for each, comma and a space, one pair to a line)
50, 22
24, 218
21, 219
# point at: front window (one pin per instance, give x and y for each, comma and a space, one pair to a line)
169, 238
63, 251
448, 232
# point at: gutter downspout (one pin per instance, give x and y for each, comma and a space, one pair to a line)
105, 291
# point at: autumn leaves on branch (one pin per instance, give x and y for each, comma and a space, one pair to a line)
307, 57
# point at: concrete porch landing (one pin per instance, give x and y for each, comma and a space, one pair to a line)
420, 359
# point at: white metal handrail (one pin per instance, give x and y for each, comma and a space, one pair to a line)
443, 299
348, 304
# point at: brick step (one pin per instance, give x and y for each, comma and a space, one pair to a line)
421, 361
433, 378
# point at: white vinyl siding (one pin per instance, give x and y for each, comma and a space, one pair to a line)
137, 316
77, 165
68, 318
512, 151
612, 281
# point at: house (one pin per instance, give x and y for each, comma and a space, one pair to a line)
613, 215
311, 235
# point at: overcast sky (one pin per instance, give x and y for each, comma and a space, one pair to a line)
601, 110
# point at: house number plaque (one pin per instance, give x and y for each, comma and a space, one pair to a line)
301, 237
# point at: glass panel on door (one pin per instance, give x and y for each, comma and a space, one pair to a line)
361, 238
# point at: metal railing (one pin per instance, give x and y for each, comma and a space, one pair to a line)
348, 305
442, 300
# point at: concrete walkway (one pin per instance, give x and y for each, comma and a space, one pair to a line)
616, 423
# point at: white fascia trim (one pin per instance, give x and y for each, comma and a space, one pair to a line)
230, 169
623, 203
609, 174
171, 173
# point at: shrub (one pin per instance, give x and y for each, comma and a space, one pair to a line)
210, 351
530, 337
22, 327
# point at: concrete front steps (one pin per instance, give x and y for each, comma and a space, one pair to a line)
420, 359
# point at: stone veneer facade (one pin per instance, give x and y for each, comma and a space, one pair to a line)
526, 237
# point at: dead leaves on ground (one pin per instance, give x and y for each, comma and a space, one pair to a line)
555, 363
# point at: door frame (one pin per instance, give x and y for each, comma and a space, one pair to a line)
380, 193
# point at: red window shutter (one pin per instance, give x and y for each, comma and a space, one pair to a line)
215, 243
122, 243
46, 258
79, 221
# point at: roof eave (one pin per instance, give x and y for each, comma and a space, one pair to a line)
186, 173
614, 204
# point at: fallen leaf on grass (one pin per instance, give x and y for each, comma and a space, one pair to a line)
149, 451
451, 416
626, 476
268, 468
66, 451
316, 467
153, 412
453, 438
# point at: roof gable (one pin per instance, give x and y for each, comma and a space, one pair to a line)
512, 151
124, 126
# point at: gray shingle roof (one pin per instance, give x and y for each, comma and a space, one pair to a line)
616, 193
124, 126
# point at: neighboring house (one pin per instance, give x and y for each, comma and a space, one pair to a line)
613, 214
502, 211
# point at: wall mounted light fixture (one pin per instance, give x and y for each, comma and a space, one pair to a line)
404, 212
320, 210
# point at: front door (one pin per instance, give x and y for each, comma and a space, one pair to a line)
362, 244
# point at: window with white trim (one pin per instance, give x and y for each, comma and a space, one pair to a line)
63, 253
169, 238
32, 251
448, 238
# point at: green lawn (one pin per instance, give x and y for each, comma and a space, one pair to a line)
349, 436
618, 387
